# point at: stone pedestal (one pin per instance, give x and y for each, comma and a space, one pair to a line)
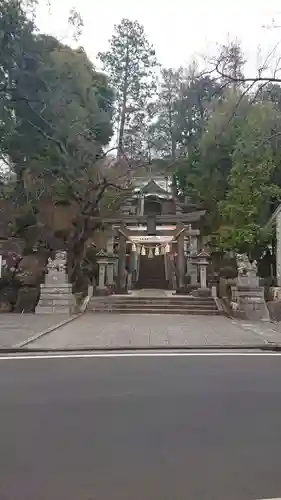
249, 299
202, 292
248, 296
56, 293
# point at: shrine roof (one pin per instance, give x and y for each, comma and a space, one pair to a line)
157, 185
152, 187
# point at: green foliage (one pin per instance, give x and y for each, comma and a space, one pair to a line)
182, 108
56, 117
234, 170
251, 191
60, 112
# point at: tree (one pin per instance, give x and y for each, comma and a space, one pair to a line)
194, 108
15, 29
130, 64
232, 74
239, 143
230, 64
183, 107
252, 189
203, 172
56, 115
165, 129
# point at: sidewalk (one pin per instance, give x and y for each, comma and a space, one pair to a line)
16, 329
115, 330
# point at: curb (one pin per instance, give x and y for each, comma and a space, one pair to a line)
114, 349
45, 332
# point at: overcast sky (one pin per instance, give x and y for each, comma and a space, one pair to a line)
179, 29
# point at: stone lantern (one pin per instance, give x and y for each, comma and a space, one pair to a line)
102, 261
202, 261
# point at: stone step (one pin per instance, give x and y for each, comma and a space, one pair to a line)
151, 310
159, 305
137, 304
159, 298
61, 286
155, 305
55, 293
150, 302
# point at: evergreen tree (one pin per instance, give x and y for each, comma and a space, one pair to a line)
130, 63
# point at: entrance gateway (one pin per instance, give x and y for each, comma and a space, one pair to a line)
153, 239
156, 261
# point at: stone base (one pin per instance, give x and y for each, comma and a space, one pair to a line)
56, 299
251, 304
202, 292
121, 291
187, 289
104, 292
274, 308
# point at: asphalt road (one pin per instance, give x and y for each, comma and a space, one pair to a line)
141, 428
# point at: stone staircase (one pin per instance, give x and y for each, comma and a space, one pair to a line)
132, 304
152, 273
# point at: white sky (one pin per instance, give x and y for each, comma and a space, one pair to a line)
178, 29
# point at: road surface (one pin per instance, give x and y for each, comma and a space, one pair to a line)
195, 427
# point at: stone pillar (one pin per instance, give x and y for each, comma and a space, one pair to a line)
181, 260
101, 281
203, 276
122, 264
110, 274
110, 265
192, 268
278, 249
110, 246
1, 260
129, 281
142, 204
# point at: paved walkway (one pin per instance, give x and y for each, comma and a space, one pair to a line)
18, 328
114, 330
